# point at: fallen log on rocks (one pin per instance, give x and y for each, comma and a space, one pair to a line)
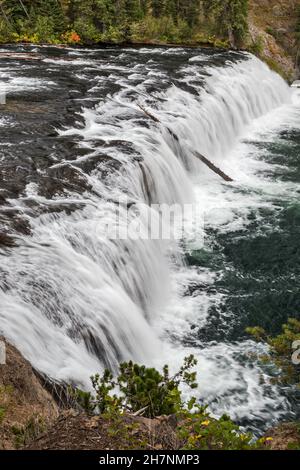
20, 56
212, 166
198, 155
154, 118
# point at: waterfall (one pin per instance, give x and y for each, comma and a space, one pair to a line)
74, 300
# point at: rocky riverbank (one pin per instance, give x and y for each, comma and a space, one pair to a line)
272, 30
268, 28
33, 419
26, 408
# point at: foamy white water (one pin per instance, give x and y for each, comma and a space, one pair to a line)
78, 300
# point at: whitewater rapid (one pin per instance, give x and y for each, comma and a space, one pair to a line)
73, 300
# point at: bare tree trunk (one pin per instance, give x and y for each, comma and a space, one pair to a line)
198, 155
5, 15
213, 167
24, 8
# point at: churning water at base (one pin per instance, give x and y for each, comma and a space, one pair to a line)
74, 300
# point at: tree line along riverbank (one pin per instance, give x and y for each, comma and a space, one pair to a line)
270, 29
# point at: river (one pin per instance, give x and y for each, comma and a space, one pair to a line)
76, 143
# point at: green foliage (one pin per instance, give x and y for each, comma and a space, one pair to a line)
2, 414
35, 21
199, 431
44, 28
140, 388
93, 21
157, 393
257, 332
125, 431
103, 386
230, 18
161, 29
152, 393
103, 401
31, 430
274, 65
281, 348
257, 46
83, 399
5, 398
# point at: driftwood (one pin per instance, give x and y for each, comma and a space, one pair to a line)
154, 118
20, 56
212, 166
24, 8
198, 155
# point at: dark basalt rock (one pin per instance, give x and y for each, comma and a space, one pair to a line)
6, 240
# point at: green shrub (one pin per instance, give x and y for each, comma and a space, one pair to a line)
87, 30
257, 46
2, 413
141, 388
157, 393
31, 430
44, 29
230, 19
281, 349
131, 20
200, 431
147, 391
6, 32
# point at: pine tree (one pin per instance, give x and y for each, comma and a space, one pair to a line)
50, 9
96, 19
14, 9
238, 17
230, 16
145, 6
189, 10
157, 8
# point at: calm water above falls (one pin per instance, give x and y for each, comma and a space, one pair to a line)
73, 140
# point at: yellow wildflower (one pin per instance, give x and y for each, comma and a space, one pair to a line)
205, 423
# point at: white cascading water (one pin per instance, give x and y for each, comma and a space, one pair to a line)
75, 299
233, 97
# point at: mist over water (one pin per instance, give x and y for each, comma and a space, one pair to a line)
74, 300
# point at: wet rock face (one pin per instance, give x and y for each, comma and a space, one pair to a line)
46, 91
29, 139
42, 98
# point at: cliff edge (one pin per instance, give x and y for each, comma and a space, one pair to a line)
272, 29
26, 408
